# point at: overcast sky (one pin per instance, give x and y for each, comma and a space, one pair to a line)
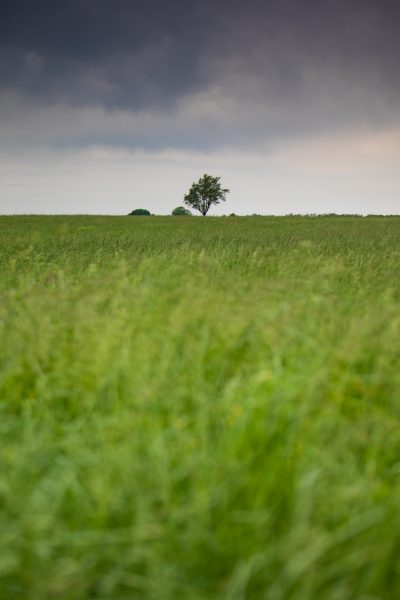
110, 105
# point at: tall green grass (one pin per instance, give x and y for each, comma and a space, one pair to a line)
199, 409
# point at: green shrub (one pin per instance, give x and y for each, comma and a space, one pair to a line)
181, 211
140, 212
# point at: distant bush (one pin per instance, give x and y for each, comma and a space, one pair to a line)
181, 211
232, 215
140, 212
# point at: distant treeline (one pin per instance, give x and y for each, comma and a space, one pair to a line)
182, 211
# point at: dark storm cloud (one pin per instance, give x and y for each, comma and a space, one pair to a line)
232, 70
123, 53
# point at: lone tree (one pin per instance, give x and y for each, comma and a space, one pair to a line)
206, 192
181, 211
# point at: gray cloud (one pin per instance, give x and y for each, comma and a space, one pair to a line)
107, 105
117, 54
200, 74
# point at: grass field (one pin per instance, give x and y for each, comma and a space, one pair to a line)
200, 409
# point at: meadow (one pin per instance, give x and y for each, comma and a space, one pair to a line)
200, 409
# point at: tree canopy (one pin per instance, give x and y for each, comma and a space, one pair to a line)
204, 193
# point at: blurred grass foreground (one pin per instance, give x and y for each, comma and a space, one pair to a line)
200, 409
